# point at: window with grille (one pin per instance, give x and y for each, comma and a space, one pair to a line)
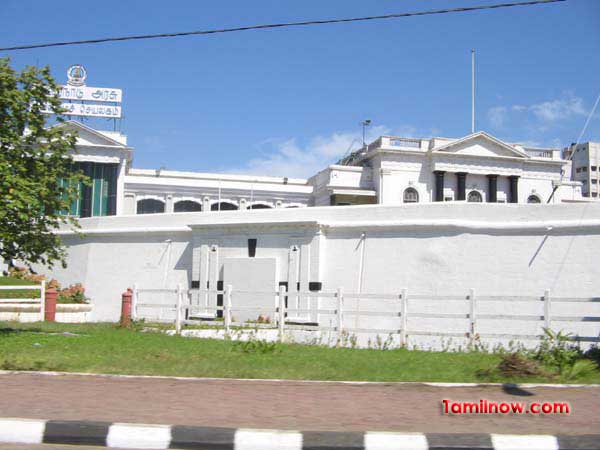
411, 195
474, 197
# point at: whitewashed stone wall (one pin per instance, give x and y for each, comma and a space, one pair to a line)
428, 248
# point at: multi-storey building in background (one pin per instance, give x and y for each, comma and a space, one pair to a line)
585, 167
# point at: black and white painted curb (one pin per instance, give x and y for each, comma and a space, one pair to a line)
142, 436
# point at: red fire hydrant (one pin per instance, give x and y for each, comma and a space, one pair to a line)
50, 305
126, 308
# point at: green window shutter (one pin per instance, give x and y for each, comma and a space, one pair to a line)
76, 204
86, 196
100, 197
110, 188
61, 183
97, 189
104, 198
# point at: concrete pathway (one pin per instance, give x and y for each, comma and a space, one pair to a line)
289, 405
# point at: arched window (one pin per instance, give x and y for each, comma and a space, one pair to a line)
187, 206
150, 206
260, 206
474, 197
533, 199
411, 195
223, 206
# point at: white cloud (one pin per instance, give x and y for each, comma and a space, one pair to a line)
558, 109
291, 158
545, 113
497, 116
535, 121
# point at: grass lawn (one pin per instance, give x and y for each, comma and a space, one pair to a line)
108, 349
17, 293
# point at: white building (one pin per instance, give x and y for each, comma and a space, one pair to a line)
390, 171
585, 167
476, 168
194, 238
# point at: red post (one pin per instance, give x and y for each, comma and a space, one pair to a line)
126, 308
50, 305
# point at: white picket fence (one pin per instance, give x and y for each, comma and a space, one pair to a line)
468, 317
39, 299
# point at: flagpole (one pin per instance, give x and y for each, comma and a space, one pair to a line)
473, 91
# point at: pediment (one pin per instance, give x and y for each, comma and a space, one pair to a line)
480, 144
89, 136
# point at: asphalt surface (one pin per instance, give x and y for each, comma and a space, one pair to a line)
289, 404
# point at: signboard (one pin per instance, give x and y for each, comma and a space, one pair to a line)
89, 110
94, 94
76, 91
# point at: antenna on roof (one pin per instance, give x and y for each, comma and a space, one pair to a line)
365, 124
473, 91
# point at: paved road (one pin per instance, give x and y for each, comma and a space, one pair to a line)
287, 405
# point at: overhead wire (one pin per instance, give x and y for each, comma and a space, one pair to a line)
576, 144
587, 122
278, 25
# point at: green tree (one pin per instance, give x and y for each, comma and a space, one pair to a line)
36, 177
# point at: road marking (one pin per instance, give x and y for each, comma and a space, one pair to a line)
520, 442
395, 441
267, 440
138, 436
22, 431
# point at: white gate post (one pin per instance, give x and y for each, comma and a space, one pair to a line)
547, 309
281, 311
403, 317
178, 311
134, 301
340, 315
227, 308
472, 313
43, 300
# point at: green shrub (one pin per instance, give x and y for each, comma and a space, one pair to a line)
253, 345
557, 351
581, 368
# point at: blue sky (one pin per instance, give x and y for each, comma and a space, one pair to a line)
288, 102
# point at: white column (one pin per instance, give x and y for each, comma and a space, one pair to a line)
293, 262
404, 317
129, 204
213, 275
316, 266
305, 303
121, 188
169, 203
227, 308
281, 312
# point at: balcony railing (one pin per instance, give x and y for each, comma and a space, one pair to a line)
540, 153
399, 142
405, 142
